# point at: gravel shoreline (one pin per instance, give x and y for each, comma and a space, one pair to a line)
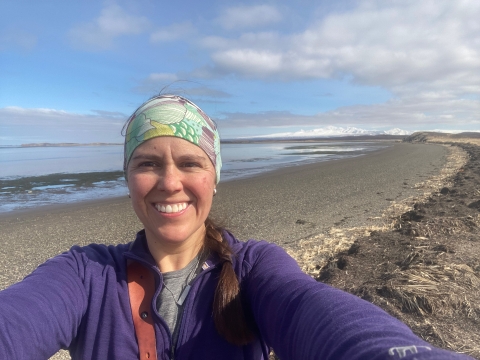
294, 203
281, 206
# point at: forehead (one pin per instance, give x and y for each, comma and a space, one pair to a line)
168, 144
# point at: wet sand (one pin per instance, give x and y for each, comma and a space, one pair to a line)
282, 206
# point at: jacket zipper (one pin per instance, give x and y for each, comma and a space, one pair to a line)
186, 302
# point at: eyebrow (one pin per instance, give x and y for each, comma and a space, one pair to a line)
192, 157
180, 158
145, 156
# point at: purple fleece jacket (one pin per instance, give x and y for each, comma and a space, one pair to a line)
79, 301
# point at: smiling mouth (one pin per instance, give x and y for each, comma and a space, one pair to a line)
171, 208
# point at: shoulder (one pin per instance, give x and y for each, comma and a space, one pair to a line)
84, 259
251, 248
100, 253
261, 254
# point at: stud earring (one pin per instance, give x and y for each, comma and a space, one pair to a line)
214, 191
129, 196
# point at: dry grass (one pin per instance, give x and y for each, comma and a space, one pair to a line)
441, 299
445, 140
441, 226
439, 289
313, 253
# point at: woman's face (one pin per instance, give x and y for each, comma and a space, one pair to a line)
171, 183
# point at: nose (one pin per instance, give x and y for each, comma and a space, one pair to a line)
171, 179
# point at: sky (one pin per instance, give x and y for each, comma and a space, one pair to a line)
74, 71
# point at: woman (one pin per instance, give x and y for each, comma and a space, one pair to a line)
185, 289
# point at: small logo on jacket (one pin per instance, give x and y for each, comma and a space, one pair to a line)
403, 351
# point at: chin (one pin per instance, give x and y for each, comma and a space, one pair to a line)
175, 235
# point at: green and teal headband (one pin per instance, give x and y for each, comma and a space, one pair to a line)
172, 115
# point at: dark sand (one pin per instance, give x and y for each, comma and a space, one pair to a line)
281, 206
296, 202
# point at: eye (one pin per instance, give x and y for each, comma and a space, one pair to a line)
147, 164
190, 164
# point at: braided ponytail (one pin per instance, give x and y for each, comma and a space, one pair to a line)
228, 313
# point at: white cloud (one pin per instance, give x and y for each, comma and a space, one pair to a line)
23, 125
215, 42
410, 114
110, 114
162, 77
249, 16
101, 33
172, 32
391, 44
425, 53
258, 63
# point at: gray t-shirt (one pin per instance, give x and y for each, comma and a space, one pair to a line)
169, 304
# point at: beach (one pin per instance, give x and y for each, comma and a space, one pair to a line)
291, 206
282, 206
287, 205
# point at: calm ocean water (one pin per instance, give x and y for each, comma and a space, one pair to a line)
36, 176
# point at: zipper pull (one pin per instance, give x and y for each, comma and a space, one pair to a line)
183, 295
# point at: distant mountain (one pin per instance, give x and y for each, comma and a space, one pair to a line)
397, 131
333, 131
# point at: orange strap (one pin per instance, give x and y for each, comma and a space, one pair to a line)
141, 287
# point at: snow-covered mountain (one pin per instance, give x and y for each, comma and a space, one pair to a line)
397, 131
335, 131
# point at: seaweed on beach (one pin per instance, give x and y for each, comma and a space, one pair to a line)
423, 264
30, 183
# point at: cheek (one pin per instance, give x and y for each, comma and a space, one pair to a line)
139, 185
208, 183
204, 188
129, 179
131, 183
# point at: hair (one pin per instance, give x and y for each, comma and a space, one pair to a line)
228, 311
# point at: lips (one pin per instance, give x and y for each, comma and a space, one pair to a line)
171, 208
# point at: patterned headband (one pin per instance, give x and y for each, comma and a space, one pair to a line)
172, 115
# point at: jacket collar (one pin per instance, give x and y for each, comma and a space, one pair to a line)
138, 250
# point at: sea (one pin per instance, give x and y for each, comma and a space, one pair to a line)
35, 176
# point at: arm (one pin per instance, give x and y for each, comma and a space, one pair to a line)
41, 314
304, 319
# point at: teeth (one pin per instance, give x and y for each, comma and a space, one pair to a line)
174, 208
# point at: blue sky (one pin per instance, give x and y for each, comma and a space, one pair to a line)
73, 71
